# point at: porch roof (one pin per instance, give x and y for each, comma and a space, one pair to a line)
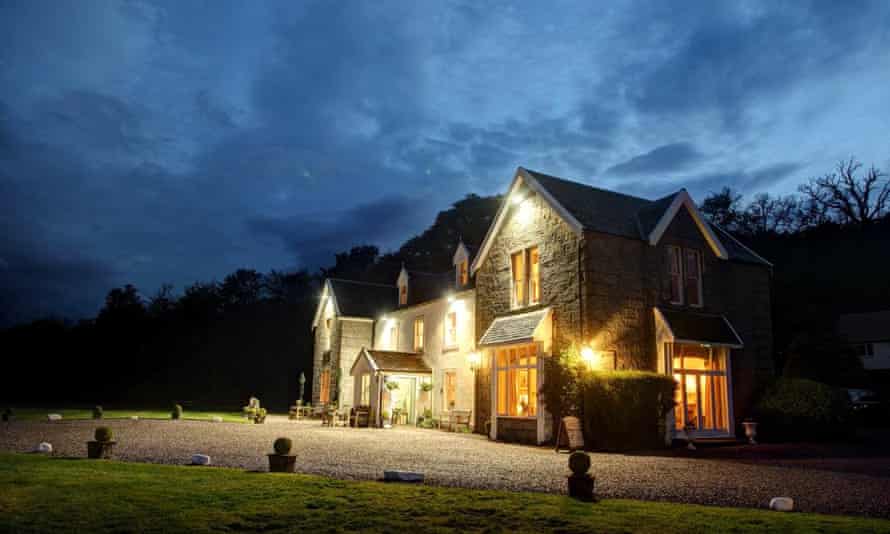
686, 326
392, 361
516, 328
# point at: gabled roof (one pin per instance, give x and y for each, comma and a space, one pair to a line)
517, 328
865, 327
352, 298
423, 286
585, 207
393, 361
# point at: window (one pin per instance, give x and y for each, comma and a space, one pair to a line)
366, 390
449, 390
324, 395
451, 329
463, 273
418, 334
327, 323
394, 335
693, 278
525, 265
676, 273
517, 381
702, 396
403, 295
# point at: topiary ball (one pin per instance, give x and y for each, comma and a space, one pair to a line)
283, 445
177, 412
98, 412
579, 462
103, 433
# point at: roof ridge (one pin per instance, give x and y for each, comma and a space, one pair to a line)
575, 182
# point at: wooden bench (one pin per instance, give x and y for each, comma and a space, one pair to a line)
460, 418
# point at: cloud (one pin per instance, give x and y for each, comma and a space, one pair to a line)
664, 159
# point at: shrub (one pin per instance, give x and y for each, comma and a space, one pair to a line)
283, 446
795, 409
260, 416
103, 433
579, 462
177, 412
98, 412
623, 410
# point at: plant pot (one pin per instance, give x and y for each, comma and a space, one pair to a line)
282, 463
100, 449
750, 431
581, 487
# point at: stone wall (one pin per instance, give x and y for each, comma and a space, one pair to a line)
515, 430
352, 335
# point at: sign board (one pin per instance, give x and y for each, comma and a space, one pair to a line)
571, 435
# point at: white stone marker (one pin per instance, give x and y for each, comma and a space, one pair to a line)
216, 419
200, 459
134, 418
782, 504
54, 417
44, 447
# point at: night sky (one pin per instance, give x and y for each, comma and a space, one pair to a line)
148, 142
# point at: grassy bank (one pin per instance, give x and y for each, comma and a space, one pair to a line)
39, 414
50, 494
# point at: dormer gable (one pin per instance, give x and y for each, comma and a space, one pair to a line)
672, 205
402, 284
461, 263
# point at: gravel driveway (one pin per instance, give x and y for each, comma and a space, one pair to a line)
465, 460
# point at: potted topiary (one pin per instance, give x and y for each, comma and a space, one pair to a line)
580, 481
260, 416
385, 416
98, 412
282, 461
750, 430
176, 413
103, 444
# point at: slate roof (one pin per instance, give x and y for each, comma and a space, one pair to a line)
865, 327
406, 362
513, 328
364, 299
701, 327
428, 286
614, 213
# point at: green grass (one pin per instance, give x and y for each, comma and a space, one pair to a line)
39, 414
54, 494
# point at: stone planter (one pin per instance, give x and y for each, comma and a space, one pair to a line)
100, 449
282, 463
581, 487
750, 431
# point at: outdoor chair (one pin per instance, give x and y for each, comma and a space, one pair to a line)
341, 417
460, 418
445, 420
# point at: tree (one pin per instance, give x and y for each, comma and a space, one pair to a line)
353, 264
241, 288
849, 198
163, 302
280, 286
723, 209
122, 305
766, 214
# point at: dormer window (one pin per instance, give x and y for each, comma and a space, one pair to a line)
684, 270
403, 295
463, 273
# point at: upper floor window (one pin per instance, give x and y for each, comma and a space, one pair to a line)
403, 294
418, 334
684, 270
451, 329
394, 335
463, 273
526, 272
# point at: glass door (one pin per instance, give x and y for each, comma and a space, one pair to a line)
702, 393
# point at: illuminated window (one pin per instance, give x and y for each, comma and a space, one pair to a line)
526, 268
451, 329
701, 395
517, 381
675, 270
403, 295
324, 395
693, 278
463, 273
449, 393
366, 390
418, 334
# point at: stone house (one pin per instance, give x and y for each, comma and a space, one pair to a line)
634, 283
407, 353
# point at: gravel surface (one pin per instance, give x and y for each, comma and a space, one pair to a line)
465, 460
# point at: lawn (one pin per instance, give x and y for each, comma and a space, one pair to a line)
39, 414
55, 494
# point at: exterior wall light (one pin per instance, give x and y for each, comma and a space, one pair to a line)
475, 360
518, 199
589, 356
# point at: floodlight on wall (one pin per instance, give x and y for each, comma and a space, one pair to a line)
588, 355
474, 359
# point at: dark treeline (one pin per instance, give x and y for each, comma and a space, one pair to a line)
219, 342
216, 343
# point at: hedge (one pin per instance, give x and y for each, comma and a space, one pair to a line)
796, 409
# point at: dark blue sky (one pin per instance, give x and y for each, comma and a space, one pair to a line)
152, 142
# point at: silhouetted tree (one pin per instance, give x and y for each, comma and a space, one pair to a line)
241, 288
163, 302
723, 209
848, 197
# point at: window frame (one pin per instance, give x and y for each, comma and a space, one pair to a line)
675, 261
698, 279
525, 284
365, 390
393, 335
448, 344
418, 347
511, 371
403, 295
446, 373
463, 273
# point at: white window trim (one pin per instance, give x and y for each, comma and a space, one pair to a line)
445, 341
682, 281
419, 319
684, 277
701, 293
727, 372
538, 366
527, 280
